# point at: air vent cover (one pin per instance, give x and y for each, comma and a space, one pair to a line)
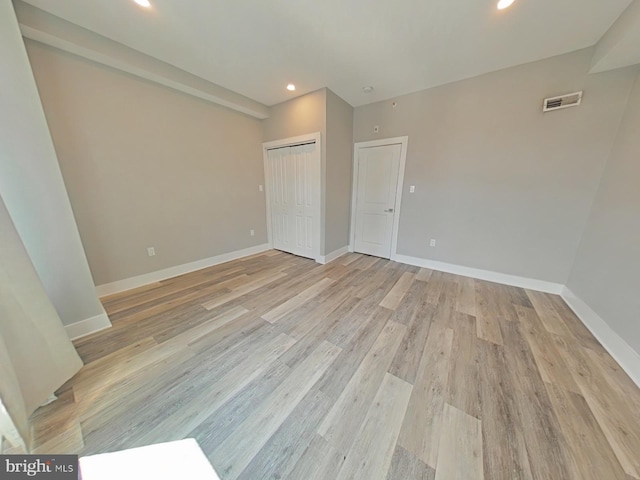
563, 101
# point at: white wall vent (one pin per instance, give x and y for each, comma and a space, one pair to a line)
563, 101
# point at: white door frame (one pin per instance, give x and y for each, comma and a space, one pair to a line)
317, 158
403, 141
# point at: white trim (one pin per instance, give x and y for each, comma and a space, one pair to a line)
88, 326
285, 142
147, 278
333, 255
403, 141
620, 350
52, 398
504, 278
9, 431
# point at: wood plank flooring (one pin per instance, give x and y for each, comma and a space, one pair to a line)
361, 369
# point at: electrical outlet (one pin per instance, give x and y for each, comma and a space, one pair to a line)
412, 189
432, 243
252, 232
260, 188
151, 251
376, 129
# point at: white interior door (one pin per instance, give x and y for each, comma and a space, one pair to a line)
378, 171
294, 191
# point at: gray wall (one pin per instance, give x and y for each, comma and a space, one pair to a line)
500, 185
322, 111
605, 273
148, 166
32, 186
36, 355
300, 116
338, 172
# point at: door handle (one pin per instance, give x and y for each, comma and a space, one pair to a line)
389, 210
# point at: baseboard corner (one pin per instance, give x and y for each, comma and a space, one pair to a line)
613, 343
323, 259
88, 326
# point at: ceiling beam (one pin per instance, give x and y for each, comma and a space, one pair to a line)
43, 27
620, 46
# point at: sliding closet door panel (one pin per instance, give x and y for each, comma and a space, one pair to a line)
280, 199
304, 208
294, 181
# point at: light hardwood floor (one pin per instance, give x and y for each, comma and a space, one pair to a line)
362, 368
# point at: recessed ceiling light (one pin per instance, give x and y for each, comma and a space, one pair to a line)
368, 89
502, 4
291, 87
143, 3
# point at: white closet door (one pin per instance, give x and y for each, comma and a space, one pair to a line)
303, 199
281, 207
295, 183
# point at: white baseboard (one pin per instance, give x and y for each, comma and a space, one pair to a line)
504, 278
88, 326
620, 350
147, 278
333, 255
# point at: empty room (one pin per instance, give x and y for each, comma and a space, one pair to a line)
320, 239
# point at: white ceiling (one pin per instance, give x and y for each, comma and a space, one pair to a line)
256, 47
